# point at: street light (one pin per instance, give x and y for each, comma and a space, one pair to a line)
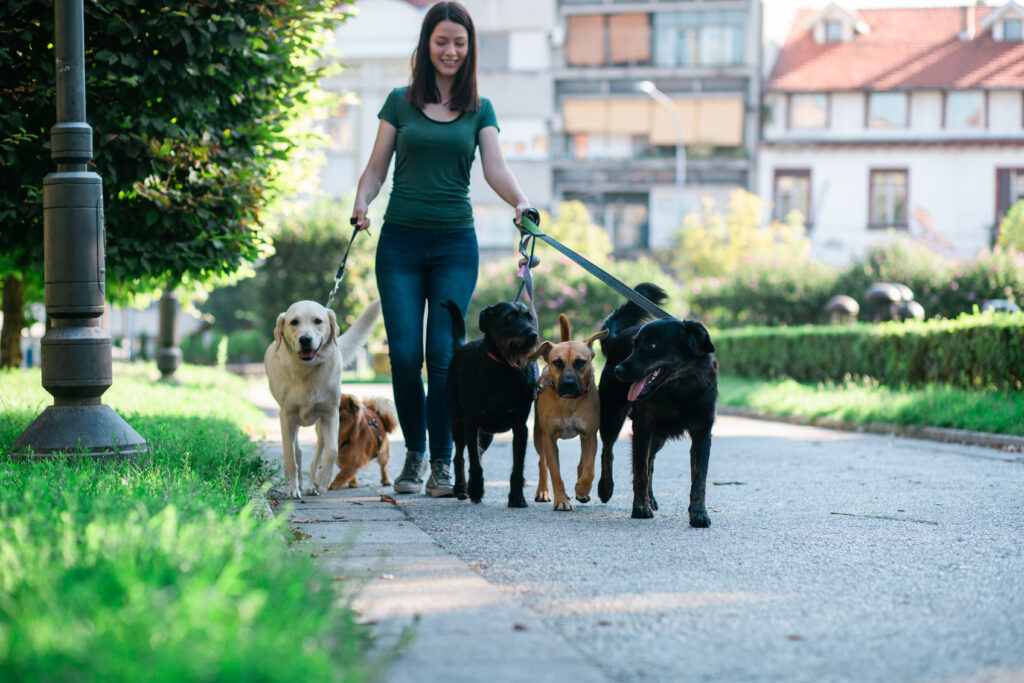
677, 120
75, 351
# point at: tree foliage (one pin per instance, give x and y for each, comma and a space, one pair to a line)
1011, 229
190, 104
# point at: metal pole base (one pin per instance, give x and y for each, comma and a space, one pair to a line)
93, 431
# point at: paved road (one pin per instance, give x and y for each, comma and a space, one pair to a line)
831, 557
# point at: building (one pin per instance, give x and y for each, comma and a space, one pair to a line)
896, 119
615, 146
563, 76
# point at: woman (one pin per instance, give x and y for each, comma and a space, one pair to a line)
427, 251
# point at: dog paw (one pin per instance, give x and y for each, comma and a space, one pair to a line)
463, 496
699, 519
583, 499
654, 503
516, 501
642, 512
563, 506
293, 491
313, 491
476, 491
542, 497
604, 490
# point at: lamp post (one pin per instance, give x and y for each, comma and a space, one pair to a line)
76, 350
677, 121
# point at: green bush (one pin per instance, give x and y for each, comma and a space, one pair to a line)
979, 351
243, 346
765, 292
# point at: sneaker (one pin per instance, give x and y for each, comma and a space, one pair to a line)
411, 478
440, 483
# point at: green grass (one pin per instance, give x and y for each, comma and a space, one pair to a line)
863, 401
159, 571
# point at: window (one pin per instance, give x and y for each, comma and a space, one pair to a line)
792, 193
339, 129
888, 198
629, 38
808, 110
887, 110
833, 31
584, 45
624, 215
699, 38
965, 109
1012, 29
1009, 190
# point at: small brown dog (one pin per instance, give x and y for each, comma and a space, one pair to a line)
363, 436
567, 406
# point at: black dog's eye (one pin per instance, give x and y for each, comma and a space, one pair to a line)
558, 363
317, 321
295, 322
579, 364
650, 346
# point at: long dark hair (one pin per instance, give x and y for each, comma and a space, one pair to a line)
423, 88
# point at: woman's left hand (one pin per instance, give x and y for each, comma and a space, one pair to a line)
520, 208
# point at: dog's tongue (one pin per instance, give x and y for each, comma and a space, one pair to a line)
307, 355
638, 386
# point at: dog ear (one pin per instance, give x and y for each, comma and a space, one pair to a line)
543, 350
589, 341
698, 339
334, 332
564, 327
350, 403
279, 330
485, 318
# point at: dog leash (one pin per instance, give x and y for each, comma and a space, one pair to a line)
531, 231
344, 260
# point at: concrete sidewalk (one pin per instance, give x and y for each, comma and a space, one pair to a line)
448, 622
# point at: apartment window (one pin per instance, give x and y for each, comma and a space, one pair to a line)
808, 110
629, 38
888, 198
792, 193
887, 110
699, 38
965, 109
584, 45
1012, 29
339, 129
493, 51
1009, 190
833, 31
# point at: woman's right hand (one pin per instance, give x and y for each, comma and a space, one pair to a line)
359, 218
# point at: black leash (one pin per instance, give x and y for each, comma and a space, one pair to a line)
530, 231
344, 260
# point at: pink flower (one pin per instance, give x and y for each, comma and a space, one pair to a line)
955, 285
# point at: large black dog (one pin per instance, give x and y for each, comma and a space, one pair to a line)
490, 390
664, 375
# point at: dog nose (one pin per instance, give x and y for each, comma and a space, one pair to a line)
568, 386
620, 372
306, 340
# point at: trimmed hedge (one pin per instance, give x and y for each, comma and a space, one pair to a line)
979, 351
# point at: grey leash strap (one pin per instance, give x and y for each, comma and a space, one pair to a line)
530, 228
341, 268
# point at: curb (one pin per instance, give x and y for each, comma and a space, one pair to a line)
1002, 442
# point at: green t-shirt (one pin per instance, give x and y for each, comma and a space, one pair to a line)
430, 188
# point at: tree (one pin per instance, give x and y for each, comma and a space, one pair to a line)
713, 243
1011, 229
190, 104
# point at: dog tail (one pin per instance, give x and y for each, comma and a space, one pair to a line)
458, 323
629, 314
356, 336
384, 407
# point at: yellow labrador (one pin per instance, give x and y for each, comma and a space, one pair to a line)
303, 367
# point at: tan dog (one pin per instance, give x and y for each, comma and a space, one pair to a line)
567, 406
363, 436
303, 367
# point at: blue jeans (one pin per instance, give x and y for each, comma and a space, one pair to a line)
417, 269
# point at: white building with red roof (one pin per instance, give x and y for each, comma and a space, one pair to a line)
905, 119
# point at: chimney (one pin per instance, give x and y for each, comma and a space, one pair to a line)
969, 25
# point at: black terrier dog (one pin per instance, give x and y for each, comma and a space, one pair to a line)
490, 390
664, 374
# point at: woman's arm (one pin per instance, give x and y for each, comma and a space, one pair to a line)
497, 173
376, 171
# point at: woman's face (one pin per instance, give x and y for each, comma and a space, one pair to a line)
449, 45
